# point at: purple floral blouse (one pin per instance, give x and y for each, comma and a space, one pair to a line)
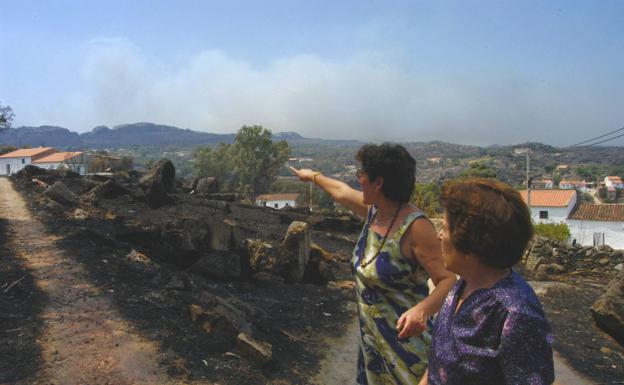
500, 335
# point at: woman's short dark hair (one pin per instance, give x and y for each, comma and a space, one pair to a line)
394, 164
488, 219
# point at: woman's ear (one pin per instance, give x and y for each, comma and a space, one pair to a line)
379, 184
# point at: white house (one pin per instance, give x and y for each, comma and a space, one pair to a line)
277, 201
542, 184
613, 181
14, 161
594, 225
550, 206
580, 185
70, 160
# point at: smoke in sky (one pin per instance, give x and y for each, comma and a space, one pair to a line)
370, 96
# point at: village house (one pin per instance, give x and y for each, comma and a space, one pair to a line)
580, 185
613, 181
73, 161
14, 161
595, 225
550, 206
542, 184
277, 201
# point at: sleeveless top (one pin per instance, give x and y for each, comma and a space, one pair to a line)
386, 288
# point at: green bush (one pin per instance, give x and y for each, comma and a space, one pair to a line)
556, 231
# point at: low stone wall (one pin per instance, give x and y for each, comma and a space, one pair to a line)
546, 257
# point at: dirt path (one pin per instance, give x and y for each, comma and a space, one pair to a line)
85, 340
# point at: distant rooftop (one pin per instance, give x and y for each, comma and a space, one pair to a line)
58, 157
549, 198
593, 212
277, 197
26, 152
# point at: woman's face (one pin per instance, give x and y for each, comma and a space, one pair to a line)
368, 187
451, 257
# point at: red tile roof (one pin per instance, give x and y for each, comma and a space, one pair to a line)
549, 198
277, 197
593, 212
25, 152
58, 157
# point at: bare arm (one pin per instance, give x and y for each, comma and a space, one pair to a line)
425, 247
424, 380
338, 190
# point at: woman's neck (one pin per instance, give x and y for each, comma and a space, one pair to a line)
482, 277
387, 208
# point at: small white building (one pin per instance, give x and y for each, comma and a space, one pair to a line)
580, 185
14, 161
542, 184
614, 181
594, 225
277, 201
63, 160
550, 206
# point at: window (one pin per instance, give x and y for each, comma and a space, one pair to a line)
23, 160
543, 214
276, 205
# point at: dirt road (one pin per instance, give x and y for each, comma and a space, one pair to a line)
84, 339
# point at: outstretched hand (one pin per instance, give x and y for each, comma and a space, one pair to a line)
304, 174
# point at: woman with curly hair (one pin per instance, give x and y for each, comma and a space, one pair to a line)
492, 328
396, 253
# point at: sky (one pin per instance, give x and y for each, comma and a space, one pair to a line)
469, 72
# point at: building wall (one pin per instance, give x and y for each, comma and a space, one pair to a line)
79, 168
15, 164
276, 204
583, 232
555, 214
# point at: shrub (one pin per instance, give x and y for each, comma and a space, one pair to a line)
556, 231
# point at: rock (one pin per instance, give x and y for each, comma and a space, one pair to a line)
296, 250
551, 268
216, 323
141, 263
619, 266
608, 310
605, 350
342, 285
175, 283
262, 256
603, 261
61, 194
108, 190
334, 223
220, 264
157, 183
533, 261
226, 235
257, 352
30, 171
209, 185
190, 184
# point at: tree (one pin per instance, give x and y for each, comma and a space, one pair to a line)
427, 197
478, 170
556, 178
256, 159
214, 162
249, 166
6, 117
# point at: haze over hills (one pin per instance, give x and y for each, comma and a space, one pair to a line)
157, 135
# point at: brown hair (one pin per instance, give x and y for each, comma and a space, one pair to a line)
488, 219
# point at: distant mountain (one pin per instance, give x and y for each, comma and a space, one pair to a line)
150, 134
45, 136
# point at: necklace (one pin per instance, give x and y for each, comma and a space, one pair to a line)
364, 263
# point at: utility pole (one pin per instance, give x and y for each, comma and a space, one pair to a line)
528, 179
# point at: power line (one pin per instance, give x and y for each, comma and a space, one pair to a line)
606, 140
598, 137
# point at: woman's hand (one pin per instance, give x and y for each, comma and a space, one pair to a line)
304, 174
413, 322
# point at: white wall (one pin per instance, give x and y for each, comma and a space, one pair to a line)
583, 232
280, 204
79, 168
15, 164
555, 214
